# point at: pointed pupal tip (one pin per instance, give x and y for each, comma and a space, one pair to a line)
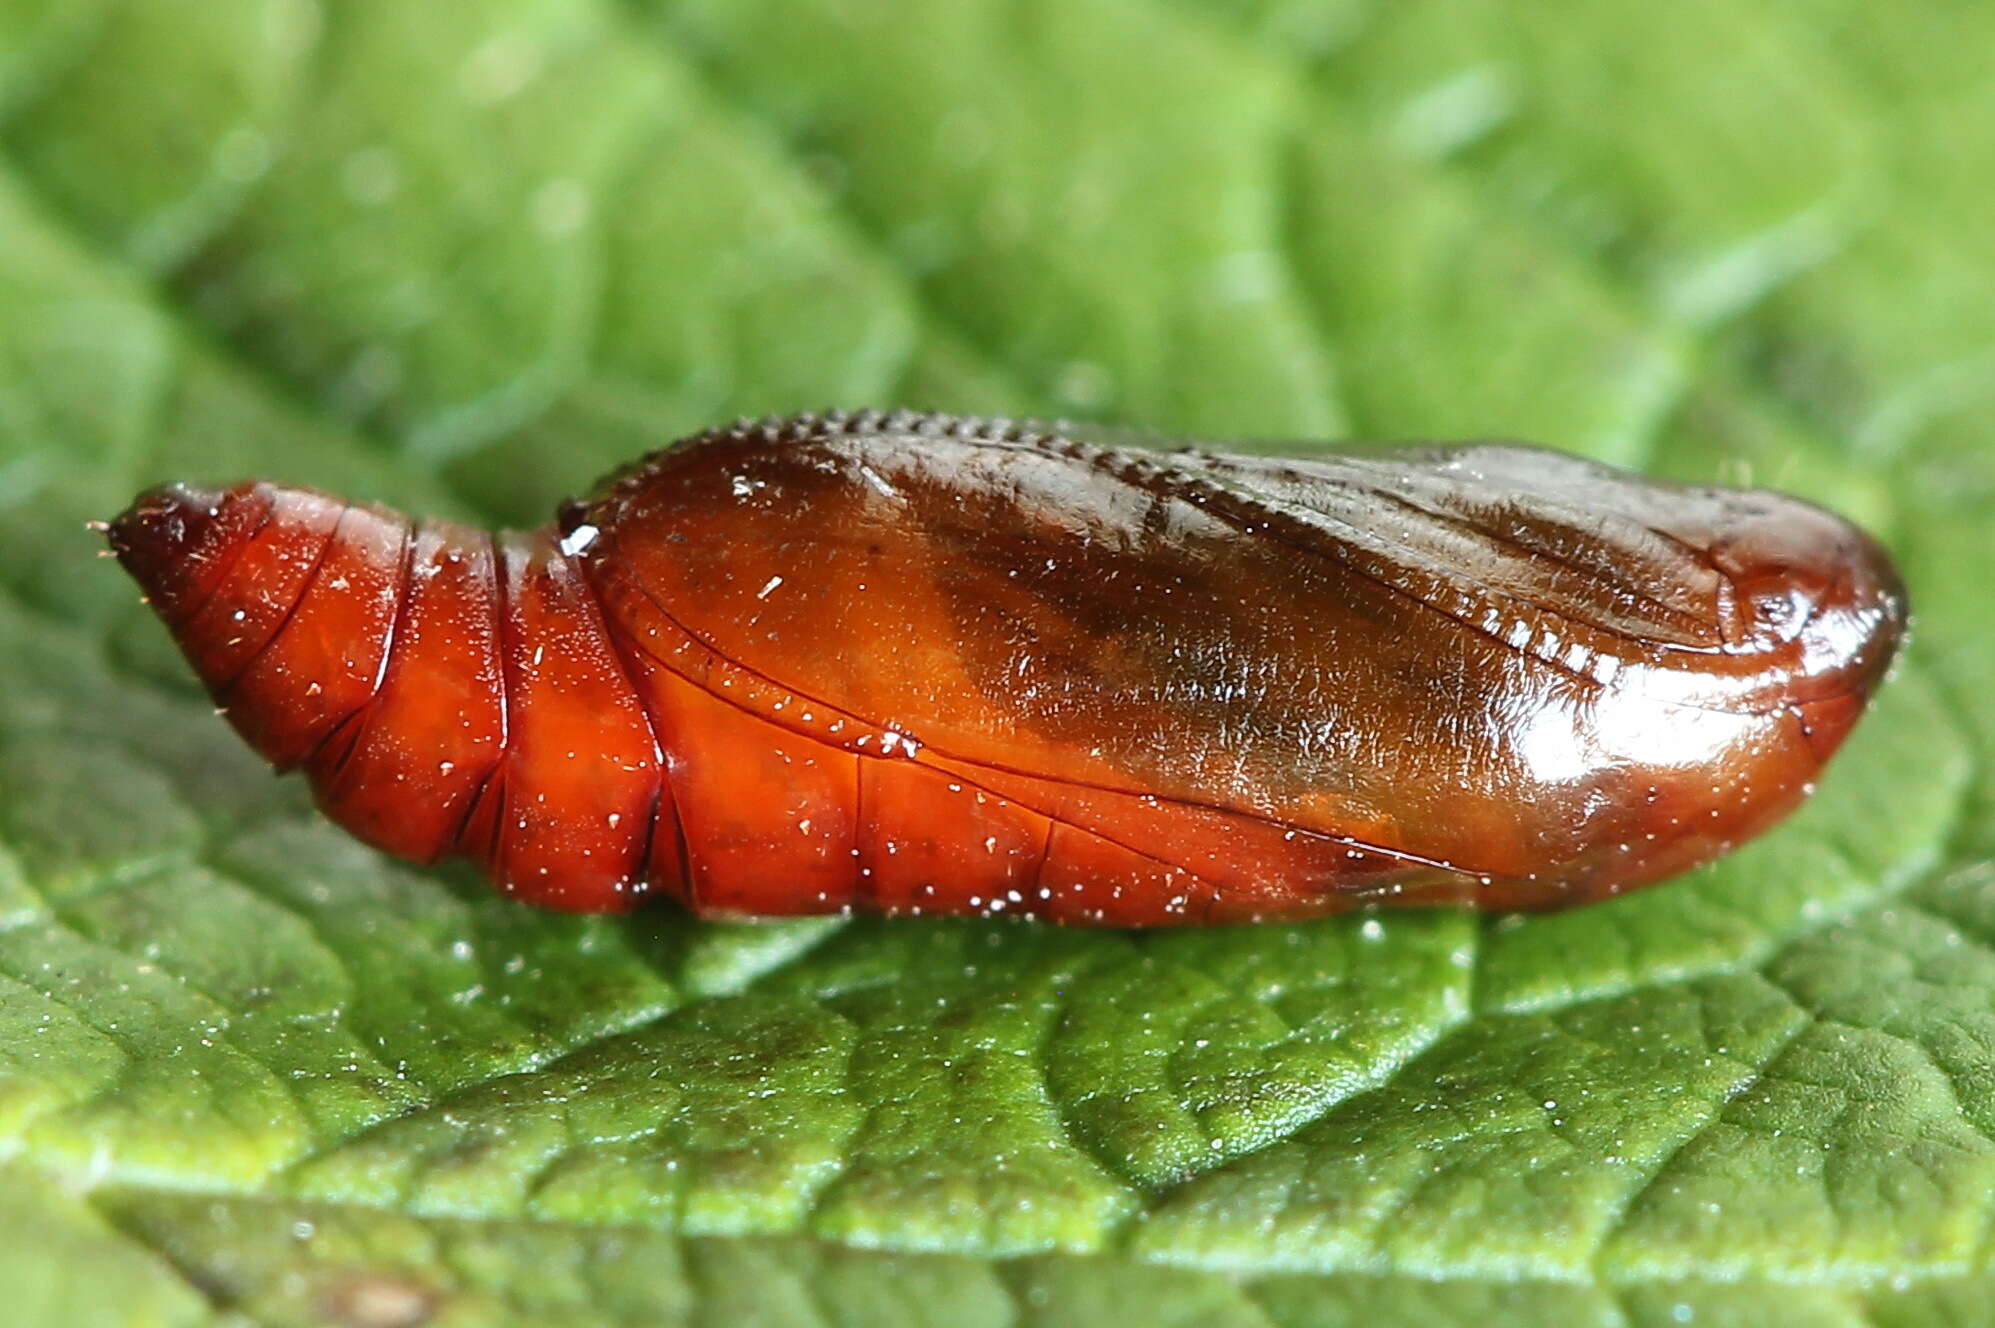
169, 538
163, 523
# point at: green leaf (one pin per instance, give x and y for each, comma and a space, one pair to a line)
463, 257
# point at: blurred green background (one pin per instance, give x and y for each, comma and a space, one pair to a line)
464, 256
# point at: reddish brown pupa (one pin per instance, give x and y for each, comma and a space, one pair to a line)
920, 664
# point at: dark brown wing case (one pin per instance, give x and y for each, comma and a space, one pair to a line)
913, 664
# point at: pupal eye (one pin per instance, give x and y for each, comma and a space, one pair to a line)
1779, 610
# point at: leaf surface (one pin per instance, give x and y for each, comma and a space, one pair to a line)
463, 257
